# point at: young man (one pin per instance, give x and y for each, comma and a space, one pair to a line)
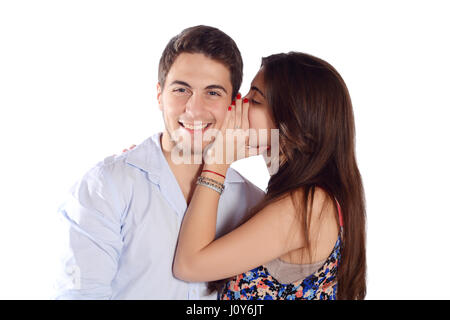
124, 215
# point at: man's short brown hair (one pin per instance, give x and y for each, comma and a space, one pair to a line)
209, 41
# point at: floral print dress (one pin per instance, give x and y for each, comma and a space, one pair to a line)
259, 284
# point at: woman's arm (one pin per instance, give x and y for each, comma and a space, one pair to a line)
267, 235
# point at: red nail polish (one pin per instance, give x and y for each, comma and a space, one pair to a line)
229, 108
245, 100
238, 96
234, 102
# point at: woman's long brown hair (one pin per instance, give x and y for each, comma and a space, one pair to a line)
311, 107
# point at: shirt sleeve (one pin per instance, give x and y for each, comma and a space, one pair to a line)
93, 241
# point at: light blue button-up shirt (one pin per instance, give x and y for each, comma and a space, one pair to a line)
123, 219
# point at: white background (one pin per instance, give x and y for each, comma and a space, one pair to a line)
78, 83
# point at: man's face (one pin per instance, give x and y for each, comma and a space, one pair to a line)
197, 90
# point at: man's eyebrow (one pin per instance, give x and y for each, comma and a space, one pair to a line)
182, 83
256, 89
216, 86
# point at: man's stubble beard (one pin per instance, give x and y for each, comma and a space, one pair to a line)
185, 147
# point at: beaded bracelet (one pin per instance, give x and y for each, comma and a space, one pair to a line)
211, 183
212, 180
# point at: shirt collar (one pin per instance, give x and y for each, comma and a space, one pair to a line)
148, 157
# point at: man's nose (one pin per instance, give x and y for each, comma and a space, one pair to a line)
196, 104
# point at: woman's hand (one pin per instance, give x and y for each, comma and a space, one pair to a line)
131, 148
125, 150
231, 143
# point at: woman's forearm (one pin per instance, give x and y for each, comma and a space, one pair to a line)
199, 224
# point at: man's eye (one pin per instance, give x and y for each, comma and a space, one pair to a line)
180, 90
214, 93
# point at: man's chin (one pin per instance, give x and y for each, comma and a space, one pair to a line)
189, 147
188, 154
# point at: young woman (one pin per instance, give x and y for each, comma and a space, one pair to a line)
306, 240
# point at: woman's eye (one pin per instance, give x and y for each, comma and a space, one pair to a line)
254, 101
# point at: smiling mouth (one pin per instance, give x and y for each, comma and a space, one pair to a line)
193, 127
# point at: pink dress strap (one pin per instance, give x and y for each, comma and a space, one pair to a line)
341, 219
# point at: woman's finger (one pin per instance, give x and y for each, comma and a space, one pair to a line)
238, 123
244, 122
226, 125
231, 116
245, 125
227, 121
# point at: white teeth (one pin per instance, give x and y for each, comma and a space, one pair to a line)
195, 127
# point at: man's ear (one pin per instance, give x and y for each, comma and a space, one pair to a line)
159, 96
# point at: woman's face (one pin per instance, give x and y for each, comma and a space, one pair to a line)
259, 114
